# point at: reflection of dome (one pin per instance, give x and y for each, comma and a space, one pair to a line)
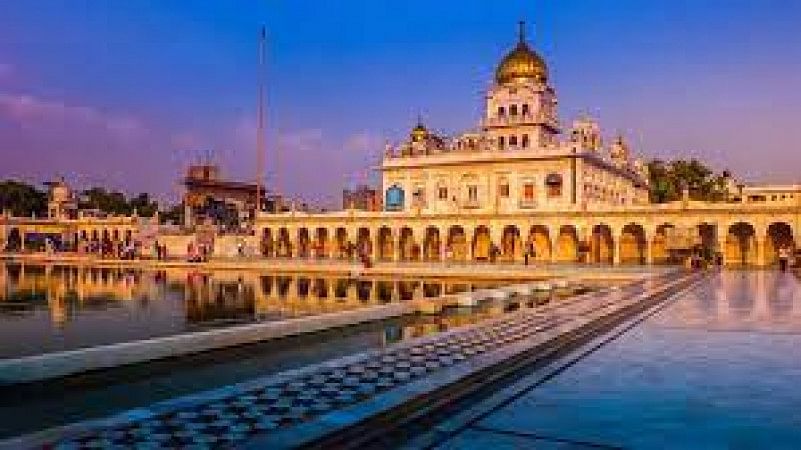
521, 63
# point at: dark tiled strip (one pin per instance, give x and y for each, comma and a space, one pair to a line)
232, 415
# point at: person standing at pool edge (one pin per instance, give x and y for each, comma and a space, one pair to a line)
784, 257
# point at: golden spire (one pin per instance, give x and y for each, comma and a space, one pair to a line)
522, 62
419, 132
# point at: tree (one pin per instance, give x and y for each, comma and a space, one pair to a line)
107, 202
22, 199
143, 205
669, 179
174, 214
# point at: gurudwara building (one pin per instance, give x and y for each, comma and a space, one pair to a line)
520, 182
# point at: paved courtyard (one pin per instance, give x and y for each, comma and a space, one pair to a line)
719, 368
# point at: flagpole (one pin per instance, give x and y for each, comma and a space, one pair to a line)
260, 152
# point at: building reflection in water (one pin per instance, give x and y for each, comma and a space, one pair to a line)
46, 308
206, 298
767, 301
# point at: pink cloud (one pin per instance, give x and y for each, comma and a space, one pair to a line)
29, 111
364, 142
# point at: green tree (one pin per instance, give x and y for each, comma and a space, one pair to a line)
175, 215
108, 202
22, 199
143, 205
669, 179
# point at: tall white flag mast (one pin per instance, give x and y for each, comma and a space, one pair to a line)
260, 151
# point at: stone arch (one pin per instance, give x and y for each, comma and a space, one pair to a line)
304, 243
741, 246
14, 240
457, 243
540, 238
386, 244
660, 245
406, 245
511, 243
432, 245
602, 245
267, 244
322, 243
341, 242
708, 240
363, 243
567, 244
632, 244
482, 243
284, 247
779, 235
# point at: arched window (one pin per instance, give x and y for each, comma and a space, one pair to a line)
553, 185
513, 110
394, 198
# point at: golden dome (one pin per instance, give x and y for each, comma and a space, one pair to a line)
521, 63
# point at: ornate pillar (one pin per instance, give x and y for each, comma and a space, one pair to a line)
617, 234
373, 291
648, 234
396, 245
468, 236
724, 257
496, 240
581, 242
760, 242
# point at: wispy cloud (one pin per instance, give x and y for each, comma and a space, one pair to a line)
27, 110
364, 142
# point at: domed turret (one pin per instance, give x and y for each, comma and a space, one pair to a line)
419, 132
522, 63
60, 191
619, 151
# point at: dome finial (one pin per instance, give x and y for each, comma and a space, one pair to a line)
522, 62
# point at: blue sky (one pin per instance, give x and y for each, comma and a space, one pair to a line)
126, 93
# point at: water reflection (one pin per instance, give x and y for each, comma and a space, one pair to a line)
53, 307
767, 301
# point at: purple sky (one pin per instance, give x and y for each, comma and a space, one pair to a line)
125, 94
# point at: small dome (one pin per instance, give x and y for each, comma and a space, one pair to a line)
419, 132
521, 63
60, 192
